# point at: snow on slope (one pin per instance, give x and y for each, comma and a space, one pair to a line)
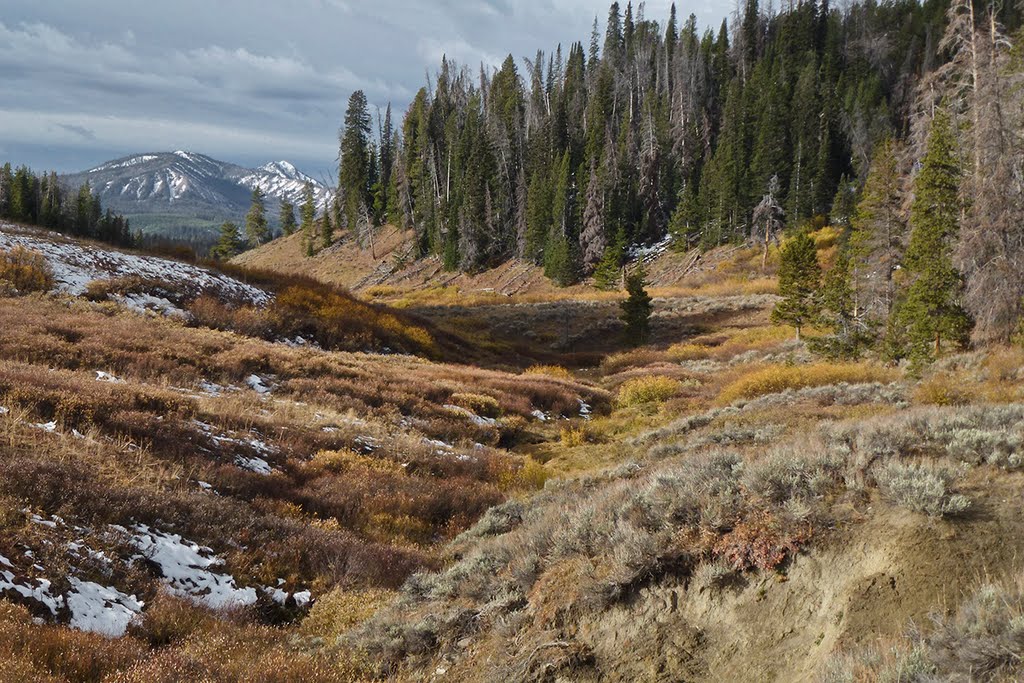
281, 180
190, 184
76, 265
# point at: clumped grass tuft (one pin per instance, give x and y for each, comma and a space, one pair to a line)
556, 371
573, 436
341, 609
922, 488
715, 575
482, 405
646, 390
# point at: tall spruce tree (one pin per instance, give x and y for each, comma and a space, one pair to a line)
932, 311
877, 237
354, 168
256, 229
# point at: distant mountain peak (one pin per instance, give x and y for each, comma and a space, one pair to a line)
193, 185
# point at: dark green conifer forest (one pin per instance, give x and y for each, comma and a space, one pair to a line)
42, 200
779, 121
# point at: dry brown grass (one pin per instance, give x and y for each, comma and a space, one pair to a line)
335, 513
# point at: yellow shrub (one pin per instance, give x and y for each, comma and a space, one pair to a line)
387, 527
776, 378
573, 436
649, 389
943, 390
337, 611
25, 270
549, 370
344, 460
683, 352
531, 476
485, 406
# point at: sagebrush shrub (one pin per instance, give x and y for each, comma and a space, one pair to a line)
922, 488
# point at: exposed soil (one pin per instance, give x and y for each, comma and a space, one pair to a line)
878, 572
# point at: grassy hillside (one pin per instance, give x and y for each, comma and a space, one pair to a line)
265, 492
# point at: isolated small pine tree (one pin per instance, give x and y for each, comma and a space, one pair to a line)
799, 280
256, 228
288, 224
326, 230
230, 242
636, 309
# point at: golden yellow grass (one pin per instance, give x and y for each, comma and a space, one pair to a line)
771, 379
647, 389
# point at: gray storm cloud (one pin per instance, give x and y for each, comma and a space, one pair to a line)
85, 82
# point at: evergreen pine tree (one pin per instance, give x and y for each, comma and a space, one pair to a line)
799, 280
932, 310
636, 309
354, 171
230, 243
592, 237
288, 224
326, 230
256, 229
847, 336
877, 236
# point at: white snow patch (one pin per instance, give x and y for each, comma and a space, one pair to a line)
473, 417
257, 384
52, 524
97, 609
188, 569
40, 593
649, 253
540, 415
257, 465
277, 595
46, 427
148, 304
102, 376
440, 447
302, 598
254, 464
367, 443
585, 409
76, 265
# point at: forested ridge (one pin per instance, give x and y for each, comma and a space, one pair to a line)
43, 200
779, 120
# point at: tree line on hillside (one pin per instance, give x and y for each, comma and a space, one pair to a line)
932, 248
43, 201
778, 122
233, 240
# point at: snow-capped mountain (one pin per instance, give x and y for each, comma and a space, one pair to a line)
156, 189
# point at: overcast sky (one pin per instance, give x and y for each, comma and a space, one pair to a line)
84, 81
